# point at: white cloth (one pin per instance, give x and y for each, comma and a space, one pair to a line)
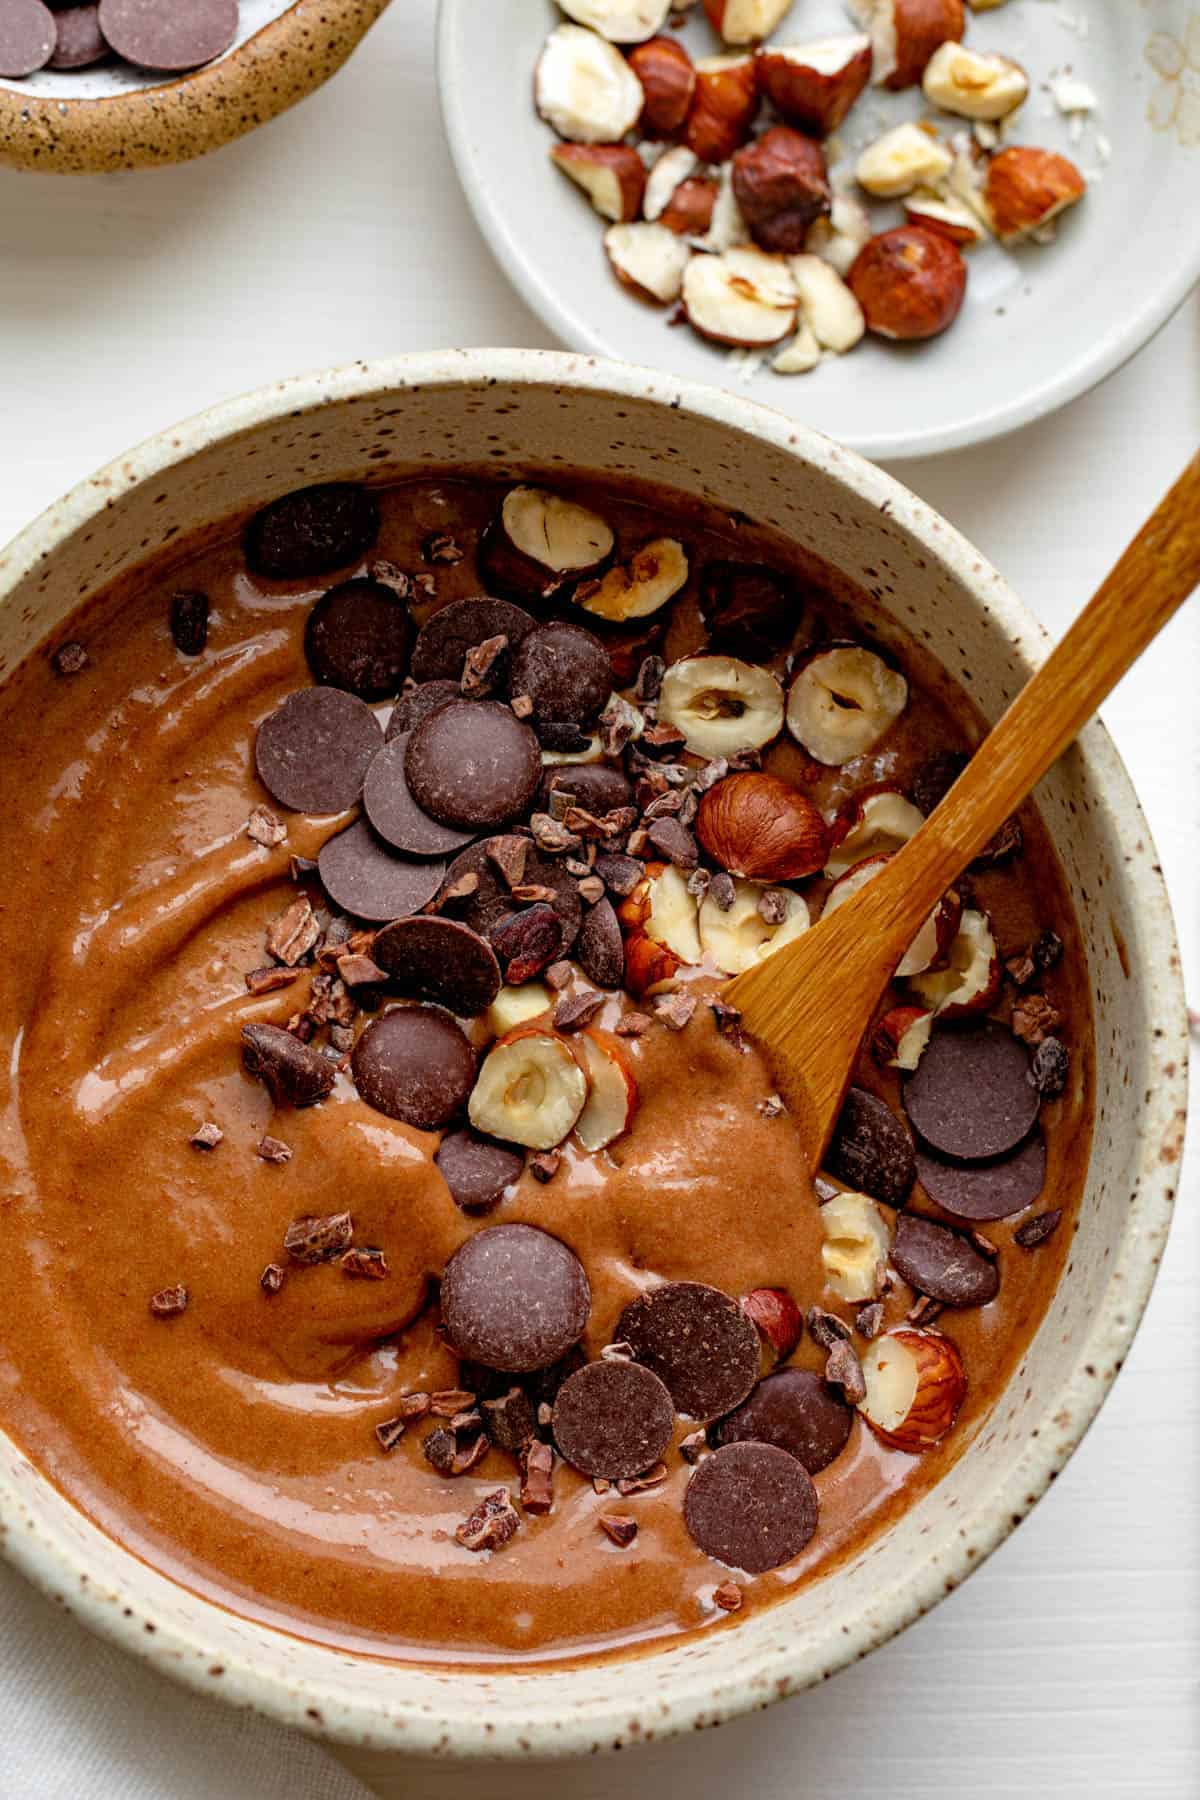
80, 1720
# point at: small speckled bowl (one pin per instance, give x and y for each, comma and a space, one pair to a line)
83, 121
528, 408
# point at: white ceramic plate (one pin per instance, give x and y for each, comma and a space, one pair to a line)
1039, 326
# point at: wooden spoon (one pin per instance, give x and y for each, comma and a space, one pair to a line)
809, 1005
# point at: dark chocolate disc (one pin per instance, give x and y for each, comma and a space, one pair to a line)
751, 1506
596, 787
415, 1064
565, 671
515, 1298
613, 1419
365, 878
443, 641
942, 1263
992, 1190
27, 37
970, 1095
314, 751
440, 960
417, 704
79, 39
357, 637
311, 532
491, 900
155, 34
698, 1341
477, 1170
871, 1151
797, 1411
395, 814
473, 764
600, 948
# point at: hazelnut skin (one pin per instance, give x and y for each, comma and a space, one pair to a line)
909, 282
781, 185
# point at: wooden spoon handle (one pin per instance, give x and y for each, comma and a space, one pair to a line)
1153, 578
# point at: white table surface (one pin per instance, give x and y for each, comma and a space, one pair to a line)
1070, 1664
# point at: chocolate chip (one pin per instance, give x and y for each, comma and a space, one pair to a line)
274, 1150
577, 1011
991, 1190
619, 1527
934, 779
749, 611
314, 751
415, 1064
869, 1319
358, 637
491, 1525
545, 1165
79, 40
315, 1240
698, 1341
871, 1151
169, 1302
508, 855
417, 704
537, 1478
620, 874
472, 764
795, 1410
490, 900
843, 1369
272, 1278
263, 827
395, 815
1046, 950
970, 1096
269, 980
484, 667
509, 1420
942, 1263
565, 671
751, 1506
1004, 844
728, 1596
444, 640
722, 890
514, 1298
363, 1263
1049, 1068
613, 1419
454, 1451
367, 879
1035, 1231
292, 1072
676, 1010
390, 1431
293, 932
313, 531
440, 960
207, 1136
27, 37
189, 617
674, 843
595, 787
527, 942
600, 948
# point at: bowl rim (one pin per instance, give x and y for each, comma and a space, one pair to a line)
510, 253
31, 1543
175, 120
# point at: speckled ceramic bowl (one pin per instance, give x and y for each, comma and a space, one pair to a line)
82, 121
529, 407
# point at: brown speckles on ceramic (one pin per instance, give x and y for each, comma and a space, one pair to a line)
173, 121
489, 407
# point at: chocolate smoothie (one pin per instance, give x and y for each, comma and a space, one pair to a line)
404, 1246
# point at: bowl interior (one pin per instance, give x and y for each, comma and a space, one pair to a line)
1040, 324
530, 408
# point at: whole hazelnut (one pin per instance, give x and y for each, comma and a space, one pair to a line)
909, 282
758, 827
781, 184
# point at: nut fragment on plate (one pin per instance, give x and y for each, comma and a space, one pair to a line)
814, 85
668, 80
530, 1089
746, 21
838, 239
730, 306
909, 282
905, 33
916, 1384
669, 173
946, 214
856, 1241
721, 704
972, 84
725, 101
690, 210
612, 176
906, 157
650, 259
1024, 189
652, 576
843, 701
585, 89
828, 307
781, 185
620, 21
